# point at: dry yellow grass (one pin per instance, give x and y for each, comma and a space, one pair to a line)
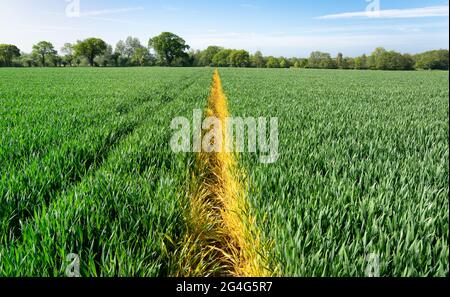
221, 237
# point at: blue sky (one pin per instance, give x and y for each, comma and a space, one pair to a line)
283, 27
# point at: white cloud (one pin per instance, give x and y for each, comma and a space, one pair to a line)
49, 29
109, 11
431, 11
418, 27
112, 20
296, 45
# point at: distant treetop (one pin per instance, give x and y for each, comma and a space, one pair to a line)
169, 49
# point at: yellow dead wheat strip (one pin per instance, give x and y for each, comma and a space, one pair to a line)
221, 237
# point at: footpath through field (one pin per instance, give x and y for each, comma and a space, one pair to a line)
221, 239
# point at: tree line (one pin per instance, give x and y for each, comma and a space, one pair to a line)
168, 49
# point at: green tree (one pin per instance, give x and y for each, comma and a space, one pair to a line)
375, 58
361, 62
131, 46
327, 62
431, 60
272, 62
407, 62
221, 58
257, 60
129, 52
68, 57
168, 47
292, 61
56, 60
141, 56
364, 62
347, 63
303, 63
44, 51
239, 58
314, 59
120, 48
391, 60
340, 60
27, 60
105, 59
284, 63
90, 48
321, 60
205, 58
7, 53
183, 61
120, 54
194, 57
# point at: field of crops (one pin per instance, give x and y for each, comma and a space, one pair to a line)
86, 168
363, 169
